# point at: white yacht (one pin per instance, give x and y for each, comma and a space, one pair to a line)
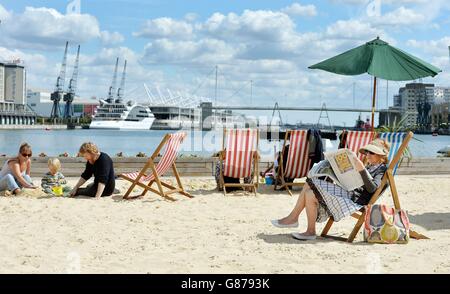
120, 116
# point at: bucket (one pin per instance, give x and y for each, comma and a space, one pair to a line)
57, 190
269, 180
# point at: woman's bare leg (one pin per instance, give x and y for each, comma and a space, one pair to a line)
299, 206
311, 204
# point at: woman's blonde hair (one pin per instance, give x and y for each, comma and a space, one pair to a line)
55, 163
88, 147
25, 147
386, 149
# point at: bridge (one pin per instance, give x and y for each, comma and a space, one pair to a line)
329, 109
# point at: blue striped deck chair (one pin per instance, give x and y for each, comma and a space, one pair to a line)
396, 140
399, 143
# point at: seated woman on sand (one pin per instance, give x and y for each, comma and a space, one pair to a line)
15, 173
322, 199
100, 165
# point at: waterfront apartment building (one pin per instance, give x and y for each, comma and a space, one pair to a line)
415, 101
13, 107
424, 105
440, 116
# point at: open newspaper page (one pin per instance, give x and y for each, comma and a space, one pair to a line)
323, 169
342, 163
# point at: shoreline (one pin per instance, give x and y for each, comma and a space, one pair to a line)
205, 166
32, 127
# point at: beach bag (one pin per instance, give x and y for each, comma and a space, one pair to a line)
386, 225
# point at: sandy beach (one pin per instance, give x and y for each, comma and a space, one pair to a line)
210, 234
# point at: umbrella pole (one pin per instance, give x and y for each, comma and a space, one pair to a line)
373, 101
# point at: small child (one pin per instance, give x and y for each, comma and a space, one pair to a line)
54, 178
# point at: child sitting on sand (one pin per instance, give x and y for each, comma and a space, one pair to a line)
54, 178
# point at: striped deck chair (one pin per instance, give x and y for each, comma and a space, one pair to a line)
240, 158
172, 143
396, 153
396, 140
358, 139
297, 163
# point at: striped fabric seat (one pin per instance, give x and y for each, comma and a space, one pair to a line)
165, 163
396, 140
358, 139
298, 162
240, 149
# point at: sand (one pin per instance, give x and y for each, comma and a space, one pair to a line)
210, 234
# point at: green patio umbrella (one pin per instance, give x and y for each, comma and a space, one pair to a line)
380, 60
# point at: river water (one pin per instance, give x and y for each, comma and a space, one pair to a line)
55, 142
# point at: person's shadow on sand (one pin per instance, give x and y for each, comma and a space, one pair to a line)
288, 239
431, 220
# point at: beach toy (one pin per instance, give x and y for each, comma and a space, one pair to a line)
269, 180
58, 190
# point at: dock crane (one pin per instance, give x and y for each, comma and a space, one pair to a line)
121, 90
71, 90
112, 88
59, 89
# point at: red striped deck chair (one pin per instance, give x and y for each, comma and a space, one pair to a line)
172, 143
358, 139
297, 163
240, 158
387, 180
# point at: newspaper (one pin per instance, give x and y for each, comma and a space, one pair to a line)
340, 167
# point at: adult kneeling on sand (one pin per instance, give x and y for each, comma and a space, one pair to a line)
100, 165
15, 173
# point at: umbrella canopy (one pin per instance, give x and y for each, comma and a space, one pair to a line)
380, 60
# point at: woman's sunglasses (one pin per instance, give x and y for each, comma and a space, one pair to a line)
369, 152
26, 155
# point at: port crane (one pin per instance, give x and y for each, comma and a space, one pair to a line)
59, 89
70, 95
112, 88
121, 89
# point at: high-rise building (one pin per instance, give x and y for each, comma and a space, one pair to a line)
2, 82
13, 103
416, 100
15, 84
397, 100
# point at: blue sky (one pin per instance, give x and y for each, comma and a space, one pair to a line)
175, 45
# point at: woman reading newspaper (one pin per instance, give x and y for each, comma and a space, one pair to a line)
322, 199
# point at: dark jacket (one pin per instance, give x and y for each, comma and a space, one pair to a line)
371, 176
103, 172
315, 146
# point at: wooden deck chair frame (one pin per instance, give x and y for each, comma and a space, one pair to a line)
255, 167
388, 178
150, 164
281, 175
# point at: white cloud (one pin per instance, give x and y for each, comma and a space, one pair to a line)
165, 27
110, 39
296, 9
352, 29
263, 25
46, 27
435, 47
187, 52
401, 17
